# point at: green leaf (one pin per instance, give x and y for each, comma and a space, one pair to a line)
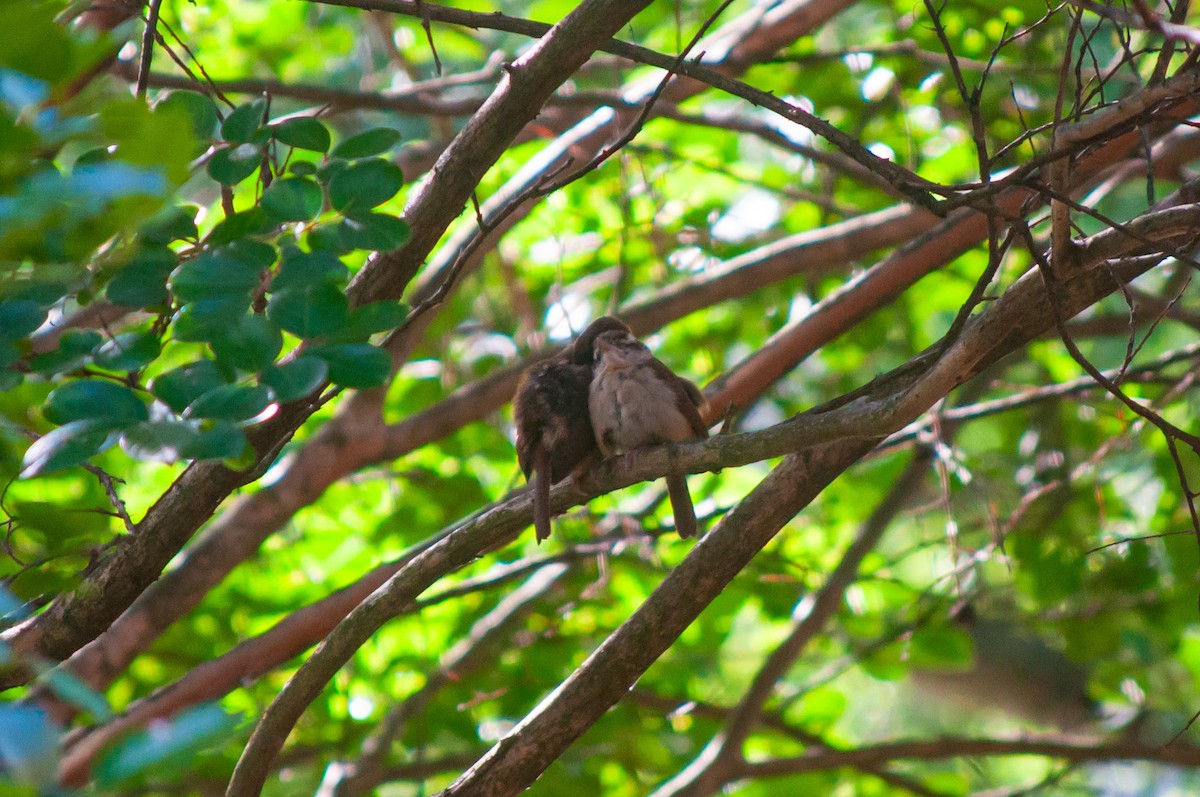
9, 353
173, 440
180, 387
326, 238
74, 350
197, 107
364, 185
368, 319
142, 282
19, 317
202, 321
327, 171
128, 351
309, 268
302, 168
303, 132
293, 199
231, 165
232, 403
296, 379
213, 275
251, 345
243, 122
44, 293
309, 311
10, 379
172, 224
374, 231
174, 741
253, 221
357, 365
366, 144
93, 398
67, 446
255, 254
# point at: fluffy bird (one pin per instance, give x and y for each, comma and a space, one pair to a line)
550, 410
635, 401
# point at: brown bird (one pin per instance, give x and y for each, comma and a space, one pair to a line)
554, 431
636, 401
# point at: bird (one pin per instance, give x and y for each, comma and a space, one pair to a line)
550, 412
635, 400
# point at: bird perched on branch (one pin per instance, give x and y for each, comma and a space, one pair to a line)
636, 401
554, 430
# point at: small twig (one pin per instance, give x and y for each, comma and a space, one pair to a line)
148, 37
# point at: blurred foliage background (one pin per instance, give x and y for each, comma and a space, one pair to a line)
189, 313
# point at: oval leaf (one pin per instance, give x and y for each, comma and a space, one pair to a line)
213, 275
303, 132
251, 345
180, 387
364, 185
198, 107
67, 446
19, 317
296, 379
293, 199
93, 399
232, 403
243, 122
357, 365
374, 231
368, 143
371, 318
309, 268
74, 351
309, 311
231, 165
128, 351
171, 440
143, 280
172, 224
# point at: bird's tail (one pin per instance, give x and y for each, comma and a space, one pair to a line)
681, 503
541, 493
